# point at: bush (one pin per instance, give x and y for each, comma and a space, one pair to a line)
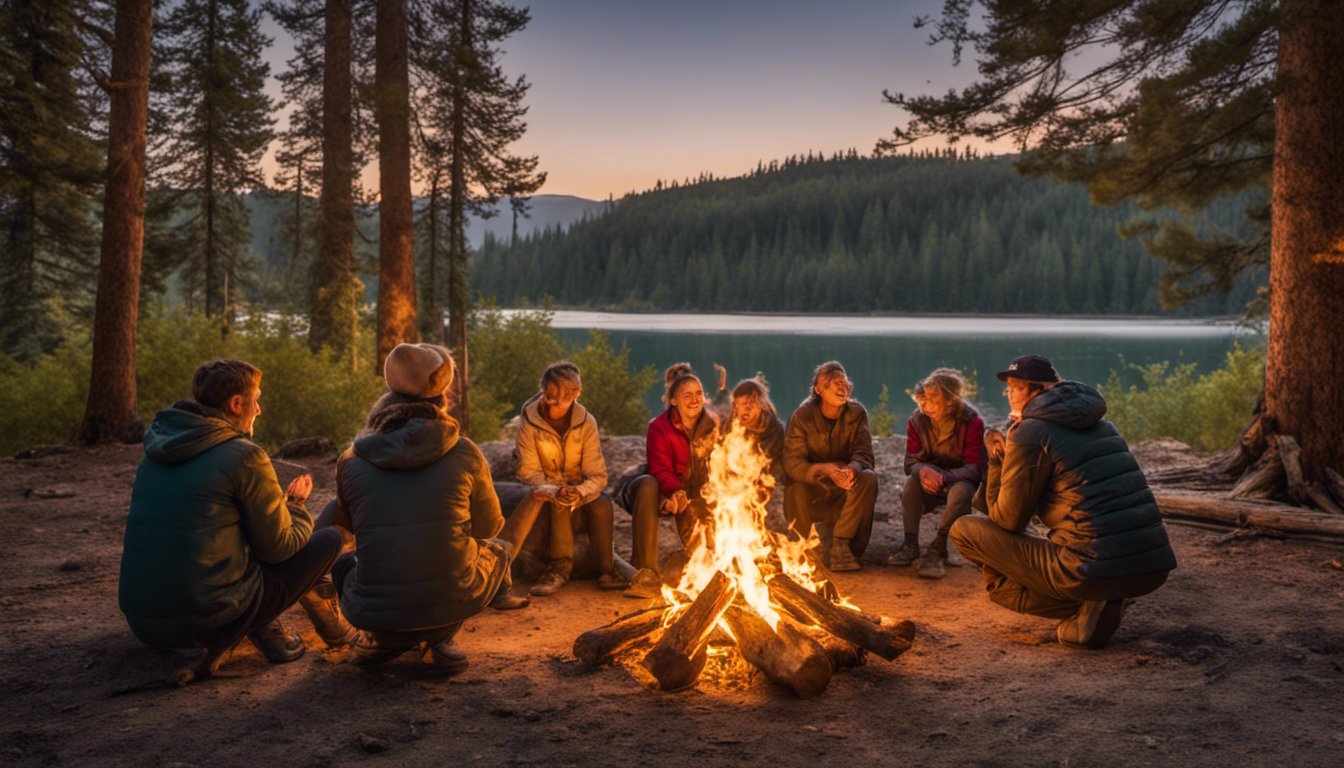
506, 355
1208, 412
881, 419
613, 394
42, 403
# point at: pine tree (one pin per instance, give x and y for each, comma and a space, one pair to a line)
396, 235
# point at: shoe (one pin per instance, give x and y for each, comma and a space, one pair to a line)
368, 652
550, 582
446, 658
324, 611
1093, 626
645, 585
611, 581
506, 601
275, 644
931, 565
905, 556
842, 559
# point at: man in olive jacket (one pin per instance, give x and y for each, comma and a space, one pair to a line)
214, 549
1062, 462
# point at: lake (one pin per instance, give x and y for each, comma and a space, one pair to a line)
898, 351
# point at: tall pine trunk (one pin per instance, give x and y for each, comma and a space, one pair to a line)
458, 298
396, 260
213, 302
1304, 377
332, 321
111, 413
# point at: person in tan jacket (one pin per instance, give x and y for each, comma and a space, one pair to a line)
560, 457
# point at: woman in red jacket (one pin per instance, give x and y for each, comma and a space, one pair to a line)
678, 445
944, 463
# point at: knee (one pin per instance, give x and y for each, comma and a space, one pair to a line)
963, 531
959, 496
865, 481
601, 506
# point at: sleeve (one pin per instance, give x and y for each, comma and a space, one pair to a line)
861, 444
1018, 482
796, 466
912, 446
276, 529
661, 465
773, 444
486, 518
973, 454
594, 464
529, 460
341, 514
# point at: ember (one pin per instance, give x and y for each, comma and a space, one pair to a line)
762, 592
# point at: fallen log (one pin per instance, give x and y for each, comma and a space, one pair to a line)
842, 653
788, 656
672, 662
1240, 513
598, 646
808, 607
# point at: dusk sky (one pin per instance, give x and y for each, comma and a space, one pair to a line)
625, 92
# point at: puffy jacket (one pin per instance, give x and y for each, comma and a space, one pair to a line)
812, 439
676, 459
1066, 464
968, 443
546, 458
205, 503
418, 497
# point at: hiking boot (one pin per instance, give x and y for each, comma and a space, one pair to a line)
507, 601
324, 611
1093, 626
550, 582
369, 652
446, 658
842, 559
931, 565
905, 556
611, 581
275, 644
646, 584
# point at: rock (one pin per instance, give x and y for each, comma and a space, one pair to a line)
372, 744
49, 493
70, 566
303, 447
503, 465
42, 451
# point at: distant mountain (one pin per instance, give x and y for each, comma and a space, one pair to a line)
545, 212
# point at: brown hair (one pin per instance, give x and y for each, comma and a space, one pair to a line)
950, 382
559, 373
827, 370
676, 375
757, 389
215, 382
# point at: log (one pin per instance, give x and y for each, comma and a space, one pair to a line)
810, 608
842, 653
1265, 515
598, 646
788, 656
1263, 480
672, 661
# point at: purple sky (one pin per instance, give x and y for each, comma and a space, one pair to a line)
625, 92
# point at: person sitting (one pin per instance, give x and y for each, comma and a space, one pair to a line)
214, 549
560, 458
431, 546
677, 448
828, 465
755, 413
1063, 462
944, 465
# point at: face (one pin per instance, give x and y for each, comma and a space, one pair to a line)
1019, 393
689, 400
935, 404
243, 410
557, 399
833, 390
746, 410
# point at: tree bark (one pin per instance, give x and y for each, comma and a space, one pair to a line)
336, 294
598, 646
396, 258
1267, 515
806, 606
787, 655
459, 299
678, 658
111, 413
1304, 376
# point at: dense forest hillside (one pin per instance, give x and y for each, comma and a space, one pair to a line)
851, 234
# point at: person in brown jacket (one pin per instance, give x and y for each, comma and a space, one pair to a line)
560, 458
828, 464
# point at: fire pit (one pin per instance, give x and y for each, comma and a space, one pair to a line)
746, 589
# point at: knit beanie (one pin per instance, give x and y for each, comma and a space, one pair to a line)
418, 370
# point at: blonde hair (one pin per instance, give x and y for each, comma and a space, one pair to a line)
757, 389
561, 372
676, 375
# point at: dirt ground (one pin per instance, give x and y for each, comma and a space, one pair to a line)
1237, 661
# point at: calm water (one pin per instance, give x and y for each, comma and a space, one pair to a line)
898, 351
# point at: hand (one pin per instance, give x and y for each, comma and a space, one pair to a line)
994, 443
843, 477
675, 504
545, 492
300, 488
723, 377
931, 480
568, 495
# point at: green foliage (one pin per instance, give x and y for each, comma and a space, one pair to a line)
1206, 412
881, 419
613, 394
42, 401
507, 352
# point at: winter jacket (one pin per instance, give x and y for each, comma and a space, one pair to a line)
1066, 464
967, 443
205, 503
547, 458
811, 439
676, 459
418, 496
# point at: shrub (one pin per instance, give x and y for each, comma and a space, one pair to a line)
613, 394
42, 403
1206, 412
881, 419
507, 354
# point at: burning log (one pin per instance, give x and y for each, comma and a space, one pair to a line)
673, 661
598, 646
808, 607
789, 657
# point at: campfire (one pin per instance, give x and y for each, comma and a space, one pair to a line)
763, 595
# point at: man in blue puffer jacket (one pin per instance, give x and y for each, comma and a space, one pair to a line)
1062, 462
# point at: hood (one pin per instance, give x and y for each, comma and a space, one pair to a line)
1070, 404
408, 436
185, 430
532, 414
